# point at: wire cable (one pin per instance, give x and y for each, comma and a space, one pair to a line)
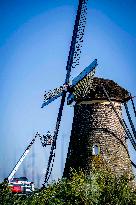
133, 105
130, 119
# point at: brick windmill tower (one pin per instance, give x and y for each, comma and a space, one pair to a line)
96, 130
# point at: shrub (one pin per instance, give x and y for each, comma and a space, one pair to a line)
99, 188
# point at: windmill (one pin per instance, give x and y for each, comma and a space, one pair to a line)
86, 75
98, 135
78, 91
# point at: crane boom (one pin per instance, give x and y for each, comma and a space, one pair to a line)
22, 158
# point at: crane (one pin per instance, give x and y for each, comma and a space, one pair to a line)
45, 140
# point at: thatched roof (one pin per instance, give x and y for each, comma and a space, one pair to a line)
95, 92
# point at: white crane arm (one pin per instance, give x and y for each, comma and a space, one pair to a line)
21, 158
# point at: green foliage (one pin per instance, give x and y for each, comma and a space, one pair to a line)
100, 188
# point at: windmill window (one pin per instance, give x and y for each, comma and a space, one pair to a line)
95, 149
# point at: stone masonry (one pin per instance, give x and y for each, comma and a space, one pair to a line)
96, 124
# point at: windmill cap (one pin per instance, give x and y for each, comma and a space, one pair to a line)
95, 92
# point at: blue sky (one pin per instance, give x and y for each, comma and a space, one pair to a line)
34, 43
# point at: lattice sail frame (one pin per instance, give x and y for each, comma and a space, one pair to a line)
80, 34
83, 86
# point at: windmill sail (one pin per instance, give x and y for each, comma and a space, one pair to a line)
82, 81
74, 51
52, 95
